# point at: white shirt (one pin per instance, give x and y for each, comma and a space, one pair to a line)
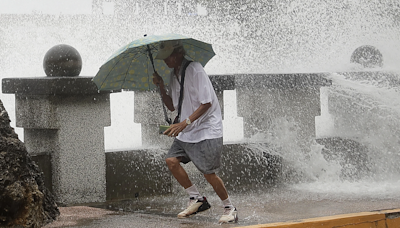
197, 90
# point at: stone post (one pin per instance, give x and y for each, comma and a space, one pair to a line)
65, 116
280, 105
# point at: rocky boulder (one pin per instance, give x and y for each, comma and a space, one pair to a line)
24, 199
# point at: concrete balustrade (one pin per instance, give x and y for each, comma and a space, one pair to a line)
65, 119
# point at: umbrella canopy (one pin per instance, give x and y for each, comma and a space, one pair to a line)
131, 67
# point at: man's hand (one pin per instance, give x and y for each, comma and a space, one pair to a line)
175, 129
157, 79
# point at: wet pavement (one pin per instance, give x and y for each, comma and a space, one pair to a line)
271, 205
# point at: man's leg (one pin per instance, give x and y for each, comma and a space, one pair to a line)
197, 203
230, 213
174, 165
218, 185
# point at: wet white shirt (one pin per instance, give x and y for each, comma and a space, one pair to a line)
197, 90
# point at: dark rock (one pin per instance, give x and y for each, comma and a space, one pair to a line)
24, 200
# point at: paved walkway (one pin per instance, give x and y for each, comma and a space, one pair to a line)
269, 206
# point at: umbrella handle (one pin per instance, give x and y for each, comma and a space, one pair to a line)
151, 58
150, 55
168, 120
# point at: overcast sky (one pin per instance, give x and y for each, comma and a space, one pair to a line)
46, 6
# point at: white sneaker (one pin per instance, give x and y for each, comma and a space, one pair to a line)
195, 206
229, 216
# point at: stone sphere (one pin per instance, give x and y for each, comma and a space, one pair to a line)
368, 56
62, 60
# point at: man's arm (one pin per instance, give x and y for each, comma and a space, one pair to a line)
157, 80
199, 112
175, 129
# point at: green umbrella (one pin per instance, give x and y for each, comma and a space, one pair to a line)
132, 66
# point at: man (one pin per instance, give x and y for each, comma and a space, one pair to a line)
198, 132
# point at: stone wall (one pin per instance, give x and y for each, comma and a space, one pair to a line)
143, 173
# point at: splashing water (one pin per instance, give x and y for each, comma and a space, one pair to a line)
256, 37
366, 111
375, 105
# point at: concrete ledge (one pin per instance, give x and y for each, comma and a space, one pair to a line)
222, 82
375, 219
382, 77
50, 85
281, 81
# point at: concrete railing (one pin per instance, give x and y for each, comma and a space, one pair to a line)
64, 118
261, 99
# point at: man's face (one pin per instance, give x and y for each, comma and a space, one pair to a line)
171, 60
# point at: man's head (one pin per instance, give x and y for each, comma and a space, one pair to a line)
172, 52
166, 48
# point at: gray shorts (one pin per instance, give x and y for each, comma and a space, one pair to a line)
205, 155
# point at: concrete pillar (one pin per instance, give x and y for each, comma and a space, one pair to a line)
276, 105
66, 117
357, 114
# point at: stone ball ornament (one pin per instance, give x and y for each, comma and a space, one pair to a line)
368, 56
62, 60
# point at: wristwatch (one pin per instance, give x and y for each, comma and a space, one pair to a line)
188, 122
